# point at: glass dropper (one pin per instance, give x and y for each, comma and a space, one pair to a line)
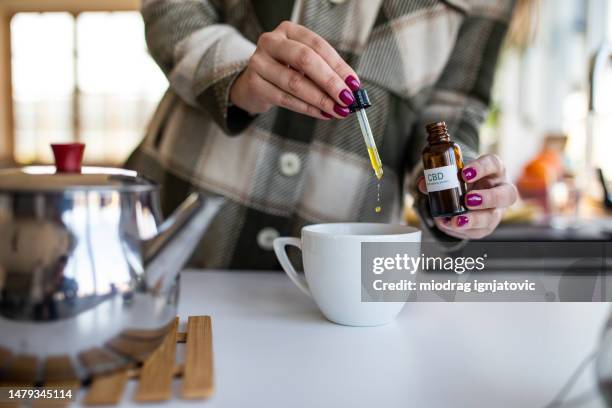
362, 102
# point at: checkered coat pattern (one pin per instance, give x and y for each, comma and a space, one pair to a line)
420, 61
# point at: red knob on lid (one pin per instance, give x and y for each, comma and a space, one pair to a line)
68, 157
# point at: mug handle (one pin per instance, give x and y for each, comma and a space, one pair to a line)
281, 254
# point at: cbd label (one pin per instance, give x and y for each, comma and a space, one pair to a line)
441, 178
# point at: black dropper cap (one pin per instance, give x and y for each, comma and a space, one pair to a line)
361, 100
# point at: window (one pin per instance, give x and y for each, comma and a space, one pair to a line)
81, 77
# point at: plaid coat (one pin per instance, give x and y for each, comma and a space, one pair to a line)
420, 61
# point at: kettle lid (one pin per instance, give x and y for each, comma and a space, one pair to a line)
69, 175
46, 179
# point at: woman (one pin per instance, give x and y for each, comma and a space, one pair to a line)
257, 112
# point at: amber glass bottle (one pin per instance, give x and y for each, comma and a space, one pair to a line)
443, 164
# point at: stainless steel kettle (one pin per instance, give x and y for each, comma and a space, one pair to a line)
88, 272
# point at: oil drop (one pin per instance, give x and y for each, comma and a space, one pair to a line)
378, 207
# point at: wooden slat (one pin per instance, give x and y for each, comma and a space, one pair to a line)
58, 370
158, 370
55, 403
142, 334
136, 349
107, 389
198, 376
100, 361
21, 371
181, 337
5, 356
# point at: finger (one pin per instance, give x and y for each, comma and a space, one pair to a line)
305, 59
475, 220
300, 33
278, 97
489, 165
500, 196
292, 82
421, 185
443, 224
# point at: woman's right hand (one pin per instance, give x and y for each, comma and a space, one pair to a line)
296, 69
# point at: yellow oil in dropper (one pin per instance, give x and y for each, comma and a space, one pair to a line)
372, 152
378, 171
375, 160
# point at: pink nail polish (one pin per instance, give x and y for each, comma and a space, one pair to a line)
341, 110
352, 83
327, 115
346, 97
473, 200
469, 173
462, 221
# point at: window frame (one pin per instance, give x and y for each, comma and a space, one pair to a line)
8, 8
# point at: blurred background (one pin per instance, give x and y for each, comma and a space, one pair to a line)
551, 119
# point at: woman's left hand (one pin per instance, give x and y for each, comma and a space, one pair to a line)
489, 192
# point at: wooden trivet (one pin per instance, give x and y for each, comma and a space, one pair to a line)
154, 374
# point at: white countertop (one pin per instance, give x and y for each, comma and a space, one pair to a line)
274, 349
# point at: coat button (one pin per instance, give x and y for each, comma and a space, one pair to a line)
290, 164
266, 237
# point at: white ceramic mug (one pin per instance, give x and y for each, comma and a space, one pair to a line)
331, 254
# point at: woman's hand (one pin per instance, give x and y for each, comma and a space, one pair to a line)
488, 194
296, 69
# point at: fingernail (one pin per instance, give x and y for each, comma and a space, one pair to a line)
352, 82
341, 110
327, 115
462, 220
346, 97
447, 220
469, 173
473, 200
